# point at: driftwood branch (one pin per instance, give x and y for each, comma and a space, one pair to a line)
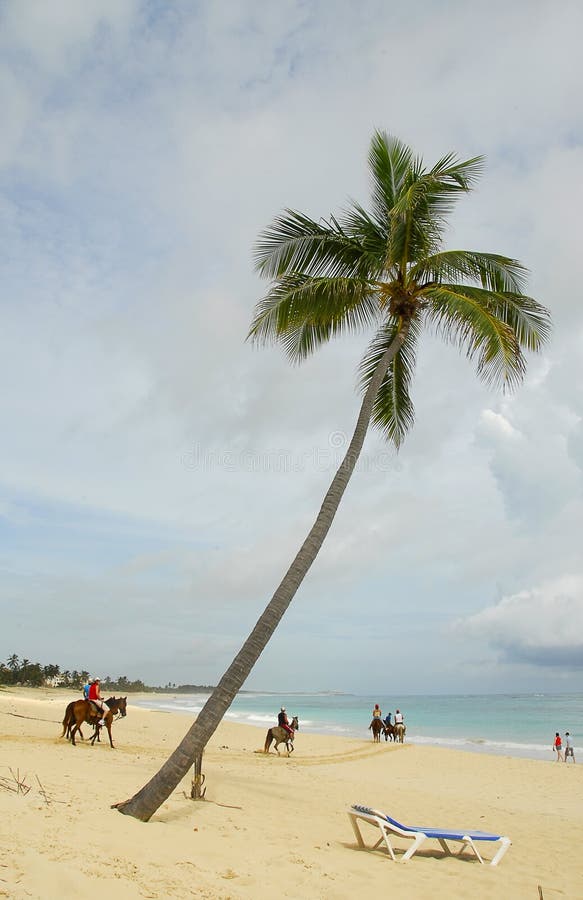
197, 790
42, 792
216, 802
18, 785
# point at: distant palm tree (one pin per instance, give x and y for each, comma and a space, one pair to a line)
385, 269
52, 670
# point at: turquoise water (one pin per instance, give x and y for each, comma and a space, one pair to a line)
511, 724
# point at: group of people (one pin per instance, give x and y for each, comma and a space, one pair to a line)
92, 692
377, 714
558, 747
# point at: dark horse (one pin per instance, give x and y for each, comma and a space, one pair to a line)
376, 726
395, 732
79, 711
281, 736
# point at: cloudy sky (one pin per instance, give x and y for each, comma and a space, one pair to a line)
158, 472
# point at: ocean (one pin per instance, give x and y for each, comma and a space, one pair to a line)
522, 725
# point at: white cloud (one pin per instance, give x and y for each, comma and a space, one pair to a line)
541, 625
498, 425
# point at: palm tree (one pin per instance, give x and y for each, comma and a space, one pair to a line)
385, 269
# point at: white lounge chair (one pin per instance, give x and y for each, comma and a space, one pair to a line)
419, 834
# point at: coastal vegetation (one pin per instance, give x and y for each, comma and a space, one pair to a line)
23, 672
383, 269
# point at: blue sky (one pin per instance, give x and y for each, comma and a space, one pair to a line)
159, 473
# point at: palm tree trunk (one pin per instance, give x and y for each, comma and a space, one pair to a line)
145, 803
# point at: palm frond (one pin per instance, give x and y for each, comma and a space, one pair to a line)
427, 197
460, 174
393, 411
301, 312
295, 243
463, 316
425, 201
530, 321
389, 161
491, 270
374, 238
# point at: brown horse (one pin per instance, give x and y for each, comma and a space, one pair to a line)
69, 722
281, 736
376, 726
79, 711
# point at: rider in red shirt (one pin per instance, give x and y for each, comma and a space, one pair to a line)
283, 721
97, 699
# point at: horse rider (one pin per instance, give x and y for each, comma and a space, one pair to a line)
86, 688
283, 721
377, 713
96, 698
399, 717
387, 719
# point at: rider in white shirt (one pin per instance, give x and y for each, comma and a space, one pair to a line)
398, 717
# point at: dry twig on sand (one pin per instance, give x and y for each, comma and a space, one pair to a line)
18, 784
42, 792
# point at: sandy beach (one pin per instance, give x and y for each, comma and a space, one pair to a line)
269, 825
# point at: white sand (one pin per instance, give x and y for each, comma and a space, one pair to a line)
273, 826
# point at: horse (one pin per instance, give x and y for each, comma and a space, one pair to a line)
399, 732
376, 726
281, 736
69, 721
389, 731
79, 711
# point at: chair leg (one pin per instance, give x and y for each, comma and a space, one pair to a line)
469, 843
445, 847
388, 844
504, 845
360, 840
356, 830
420, 838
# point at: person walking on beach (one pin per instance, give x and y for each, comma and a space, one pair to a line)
558, 746
97, 699
569, 750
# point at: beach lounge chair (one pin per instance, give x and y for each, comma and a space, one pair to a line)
419, 834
